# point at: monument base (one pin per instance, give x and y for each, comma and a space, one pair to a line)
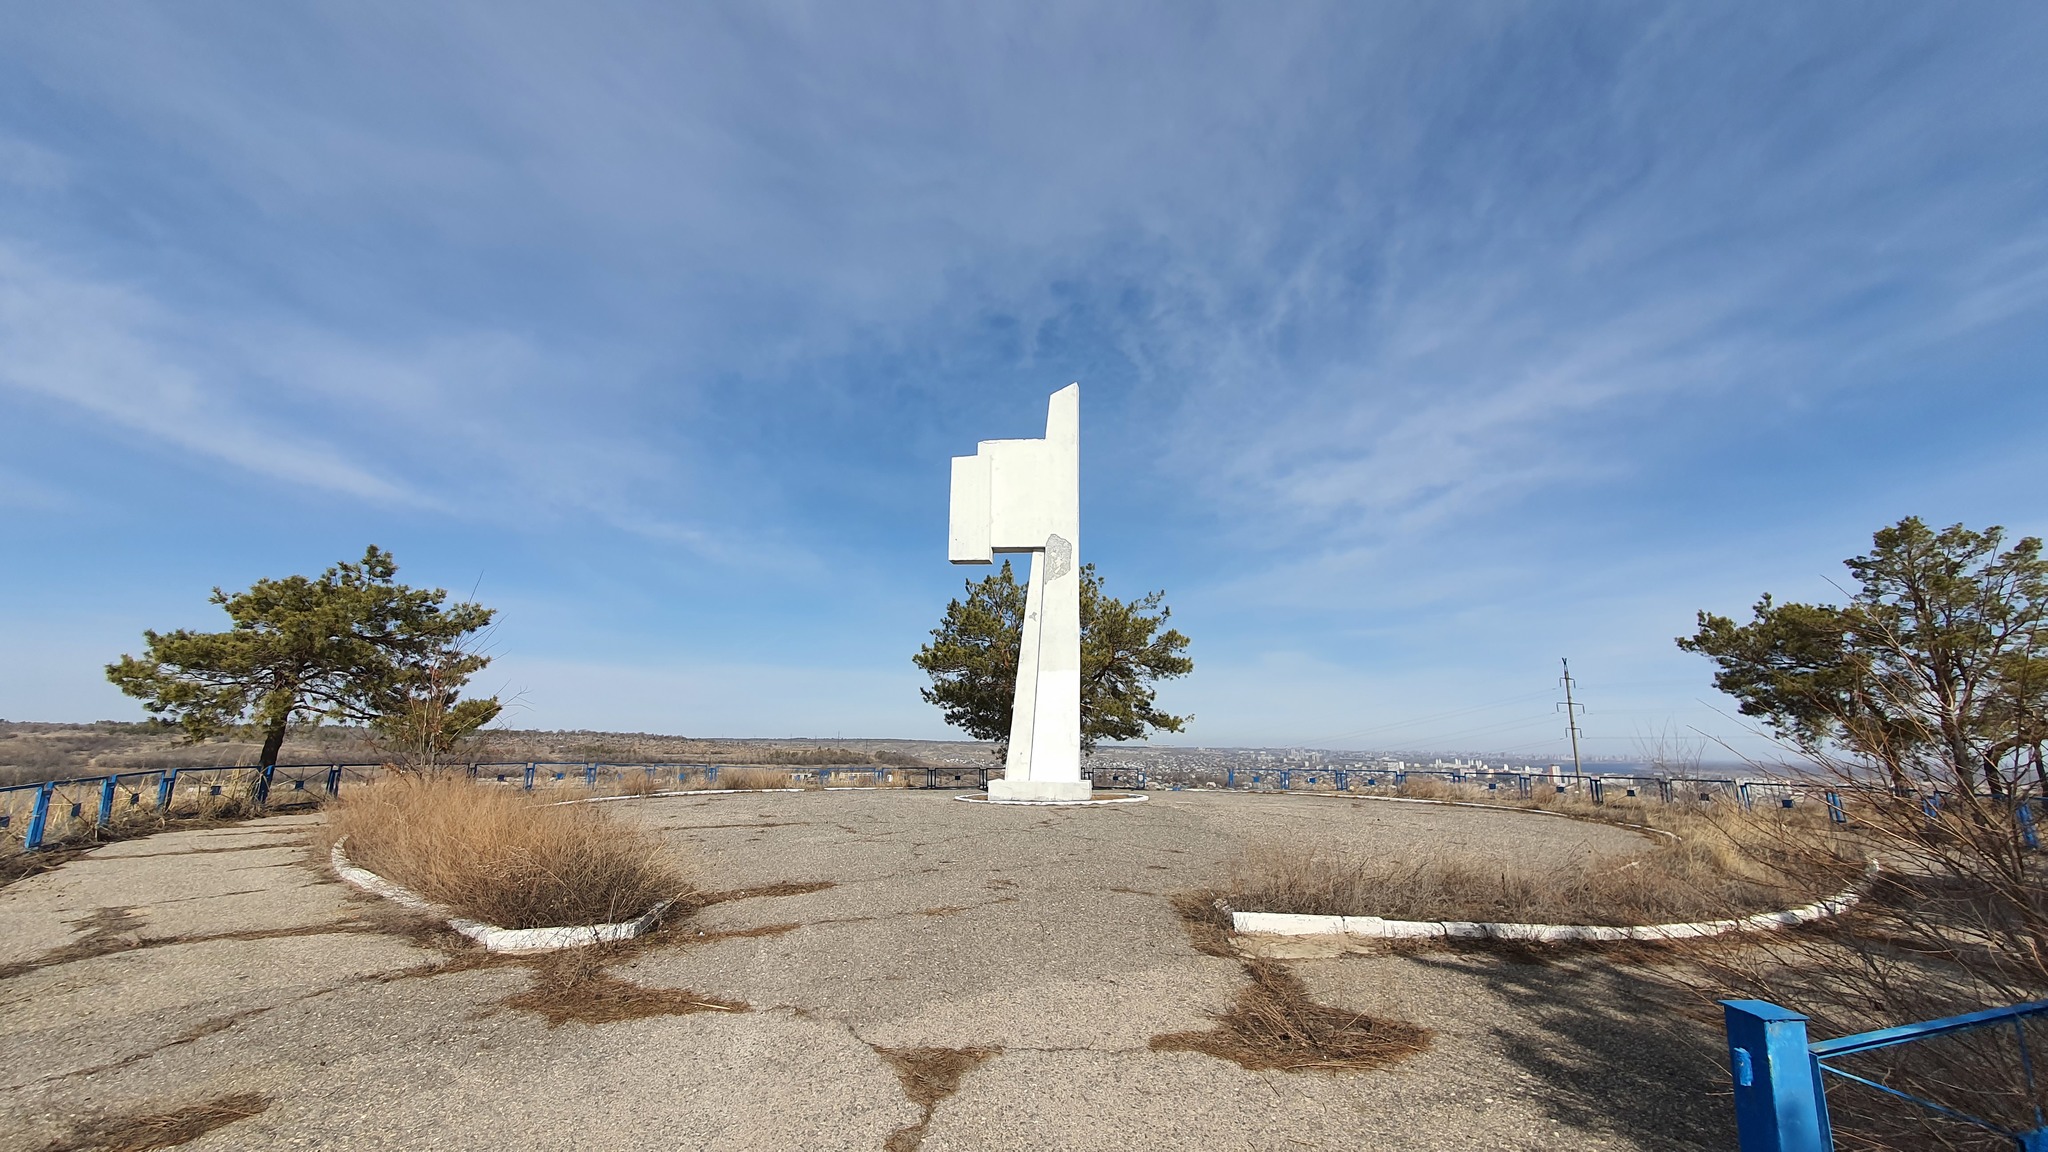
1068, 790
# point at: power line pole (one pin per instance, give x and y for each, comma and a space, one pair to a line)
1571, 715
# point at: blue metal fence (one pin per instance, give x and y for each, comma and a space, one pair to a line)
47, 812
1781, 1077
1497, 783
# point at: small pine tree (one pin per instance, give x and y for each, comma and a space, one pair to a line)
1125, 648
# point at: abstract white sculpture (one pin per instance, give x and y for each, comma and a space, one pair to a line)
1025, 496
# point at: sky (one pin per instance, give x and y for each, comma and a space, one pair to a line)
1420, 345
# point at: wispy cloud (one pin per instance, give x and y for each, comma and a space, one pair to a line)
115, 356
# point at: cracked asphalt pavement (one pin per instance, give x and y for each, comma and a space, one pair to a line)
161, 972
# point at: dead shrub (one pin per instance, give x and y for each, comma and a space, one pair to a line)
1274, 1025
1920, 946
497, 855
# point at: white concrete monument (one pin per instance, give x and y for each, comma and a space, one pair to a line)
1025, 496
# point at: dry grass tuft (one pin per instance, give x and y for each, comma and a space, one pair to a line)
639, 784
753, 778
153, 1130
1716, 870
1206, 923
928, 1075
497, 855
573, 985
1274, 1025
1429, 788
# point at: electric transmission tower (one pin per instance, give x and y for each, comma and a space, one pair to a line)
1571, 715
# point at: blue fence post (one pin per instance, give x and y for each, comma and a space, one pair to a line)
1835, 812
263, 784
530, 770
39, 817
1599, 790
334, 779
106, 814
1779, 1106
1932, 807
165, 788
1230, 777
1663, 790
2028, 835
590, 775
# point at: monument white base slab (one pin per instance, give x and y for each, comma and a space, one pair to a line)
1040, 790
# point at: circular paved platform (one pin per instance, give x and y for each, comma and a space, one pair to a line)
167, 970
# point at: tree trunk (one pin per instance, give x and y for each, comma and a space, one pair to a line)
272, 741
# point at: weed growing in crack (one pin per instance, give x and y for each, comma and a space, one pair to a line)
1205, 921
573, 985
780, 888
149, 1131
928, 1075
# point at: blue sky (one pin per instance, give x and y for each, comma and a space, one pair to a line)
1419, 345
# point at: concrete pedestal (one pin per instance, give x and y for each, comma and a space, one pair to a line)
1040, 790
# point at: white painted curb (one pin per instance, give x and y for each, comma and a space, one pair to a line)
704, 792
492, 937
1377, 928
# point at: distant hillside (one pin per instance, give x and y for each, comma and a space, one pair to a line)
30, 751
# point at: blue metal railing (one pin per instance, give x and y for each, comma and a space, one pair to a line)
44, 812
1599, 789
1781, 1078
40, 811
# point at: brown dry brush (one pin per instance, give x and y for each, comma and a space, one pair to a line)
1953, 924
500, 856
1957, 923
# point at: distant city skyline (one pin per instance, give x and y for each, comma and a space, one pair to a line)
1419, 347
